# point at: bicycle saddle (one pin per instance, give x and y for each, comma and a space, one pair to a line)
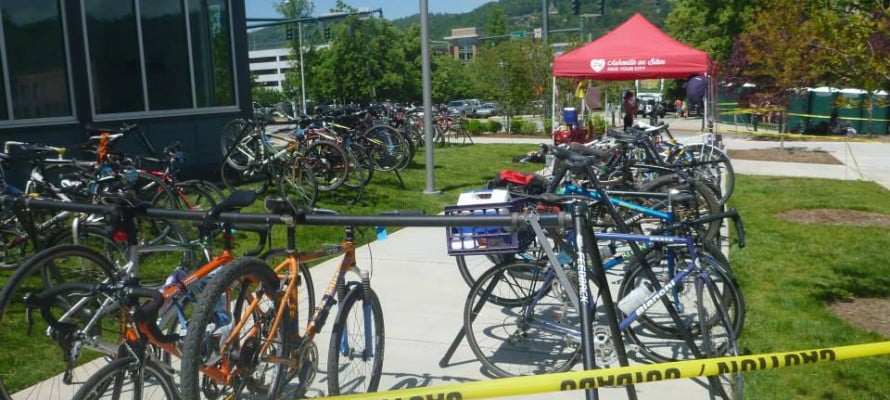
236, 201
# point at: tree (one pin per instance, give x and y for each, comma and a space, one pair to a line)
497, 22
513, 73
450, 79
854, 42
710, 25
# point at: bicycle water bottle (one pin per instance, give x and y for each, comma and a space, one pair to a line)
635, 298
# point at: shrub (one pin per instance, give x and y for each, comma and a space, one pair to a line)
494, 126
475, 126
548, 123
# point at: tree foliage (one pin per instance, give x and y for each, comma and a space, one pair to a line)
709, 25
497, 22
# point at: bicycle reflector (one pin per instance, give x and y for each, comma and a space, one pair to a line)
120, 236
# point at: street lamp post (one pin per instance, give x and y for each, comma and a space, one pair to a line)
302, 76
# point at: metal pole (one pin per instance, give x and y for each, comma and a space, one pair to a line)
427, 98
544, 15
302, 76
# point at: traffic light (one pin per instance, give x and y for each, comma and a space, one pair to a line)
289, 33
327, 32
576, 7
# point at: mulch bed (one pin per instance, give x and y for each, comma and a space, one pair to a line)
788, 154
831, 216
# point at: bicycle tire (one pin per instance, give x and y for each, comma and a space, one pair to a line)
361, 167
352, 366
233, 133
692, 201
218, 309
49, 267
306, 287
194, 195
719, 340
297, 183
386, 146
256, 174
654, 332
329, 163
717, 169
119, 372
502, 337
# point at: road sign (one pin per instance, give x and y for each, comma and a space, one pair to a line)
538, 33
517, 35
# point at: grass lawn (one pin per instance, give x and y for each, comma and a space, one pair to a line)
790, 271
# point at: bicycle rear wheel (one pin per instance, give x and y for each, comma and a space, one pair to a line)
48, 356
355, 354
719, 339
529, 335
243, 294
121, 378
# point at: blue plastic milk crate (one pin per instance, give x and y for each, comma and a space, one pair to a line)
467, 240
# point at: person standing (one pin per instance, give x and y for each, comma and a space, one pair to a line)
629, 109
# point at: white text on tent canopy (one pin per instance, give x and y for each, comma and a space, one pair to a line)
624, 65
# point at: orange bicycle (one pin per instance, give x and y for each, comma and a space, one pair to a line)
245, 336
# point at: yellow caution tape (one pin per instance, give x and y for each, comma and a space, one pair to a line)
793, 136
563, 381
840, 117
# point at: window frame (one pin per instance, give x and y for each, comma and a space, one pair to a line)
11, 121
175, 112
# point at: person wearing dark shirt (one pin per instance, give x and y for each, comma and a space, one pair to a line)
629, 109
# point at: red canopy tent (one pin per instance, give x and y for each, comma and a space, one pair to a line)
636, 49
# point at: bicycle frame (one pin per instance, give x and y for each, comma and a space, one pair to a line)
287, 310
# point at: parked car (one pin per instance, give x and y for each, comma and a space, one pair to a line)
465, 107
646, 102
488, 109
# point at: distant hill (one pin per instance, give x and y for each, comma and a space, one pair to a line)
522, 15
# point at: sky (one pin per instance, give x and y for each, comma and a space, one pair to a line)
392, 9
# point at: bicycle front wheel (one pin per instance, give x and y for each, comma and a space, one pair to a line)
124, 379
655, 332
530, 335
231, 332
355, 354
43, 361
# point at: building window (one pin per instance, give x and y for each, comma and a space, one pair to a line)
265, 71
263, 59
465, 49
212, 52
114, 60
38, 71
167, 71
140, 59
